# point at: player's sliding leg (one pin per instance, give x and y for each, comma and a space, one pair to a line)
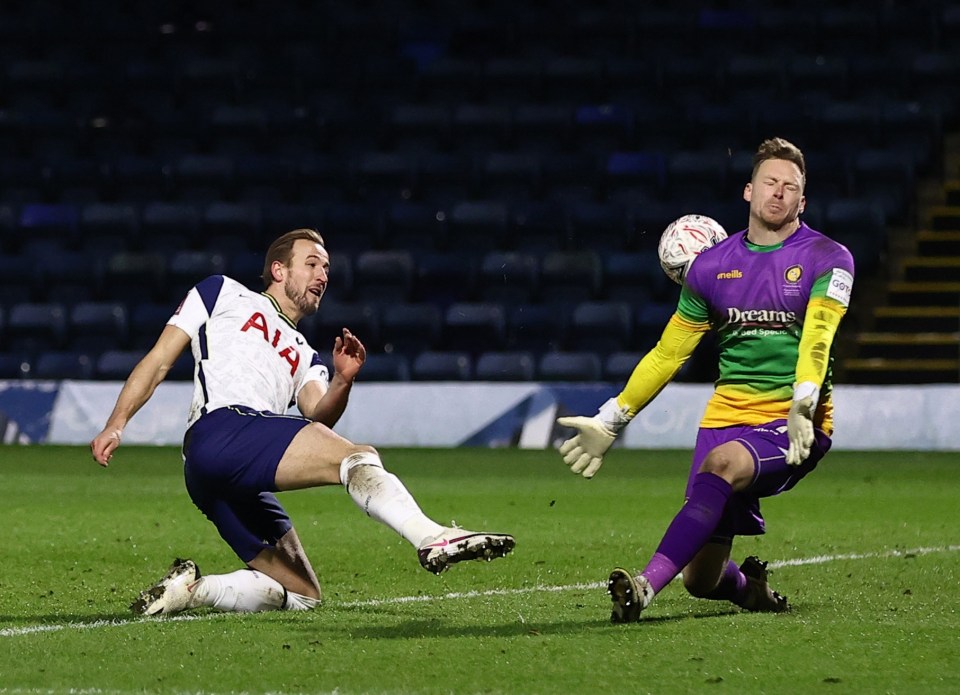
243, 591
383, 497
318, 456
713, 575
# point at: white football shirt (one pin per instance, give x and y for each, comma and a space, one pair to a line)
246, 351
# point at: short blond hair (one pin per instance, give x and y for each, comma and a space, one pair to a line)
282, 250
778, 148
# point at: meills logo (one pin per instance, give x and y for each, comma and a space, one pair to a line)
782, 318
730, 275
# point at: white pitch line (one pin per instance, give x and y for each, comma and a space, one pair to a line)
459, 595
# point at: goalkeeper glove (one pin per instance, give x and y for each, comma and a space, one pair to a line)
584, 451
800, 422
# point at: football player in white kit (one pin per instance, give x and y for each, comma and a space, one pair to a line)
240, 445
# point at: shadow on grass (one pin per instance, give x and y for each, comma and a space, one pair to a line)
437, 627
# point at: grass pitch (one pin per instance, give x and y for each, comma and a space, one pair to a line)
867, 549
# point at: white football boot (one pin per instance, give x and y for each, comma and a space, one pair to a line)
456, 545
171, 594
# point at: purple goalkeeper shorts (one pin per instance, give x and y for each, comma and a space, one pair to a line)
768, 445
230, 459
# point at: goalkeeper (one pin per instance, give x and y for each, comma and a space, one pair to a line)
775, 294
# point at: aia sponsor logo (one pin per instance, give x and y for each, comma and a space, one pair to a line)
258, 323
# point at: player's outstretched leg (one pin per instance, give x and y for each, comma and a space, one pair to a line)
760, 597
630, 595
172, 593
454, 545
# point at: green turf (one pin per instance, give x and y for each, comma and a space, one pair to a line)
875, 536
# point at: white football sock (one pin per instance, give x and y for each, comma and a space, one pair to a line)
243, 591
383, 497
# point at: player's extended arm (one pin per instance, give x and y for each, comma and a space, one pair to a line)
326, 403
584, 451
138, 389
819, 328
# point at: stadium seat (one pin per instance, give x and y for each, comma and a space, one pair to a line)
110, 219
411, 328
481, 127
505, 366
97, 326
383, 276
618, 366
542, 127
186, 268
116, 365
147, 320
412, 127
204, 177
636, 171
446, 277
34, 327
474, 327
442, 366
508, 277
322, 329
569, 366
172, 221
134, 277
572, 276
603, 128
232, 227
650, 320
415, 226
601, 227
383, 176
53, 221
509, 176
15, 366
351, 227
385, 367
71, 364
536, 327
477, 225
538, 227
600, 326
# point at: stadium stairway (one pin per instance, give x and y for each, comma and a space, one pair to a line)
913, 334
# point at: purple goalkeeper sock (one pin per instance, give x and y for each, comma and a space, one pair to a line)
690, 529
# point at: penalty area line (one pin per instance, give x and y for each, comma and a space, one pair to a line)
461, 595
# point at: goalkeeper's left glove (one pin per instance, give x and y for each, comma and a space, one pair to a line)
584, 451
800, 422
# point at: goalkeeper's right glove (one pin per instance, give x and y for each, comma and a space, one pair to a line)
584, 451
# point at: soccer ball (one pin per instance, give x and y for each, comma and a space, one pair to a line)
683, 240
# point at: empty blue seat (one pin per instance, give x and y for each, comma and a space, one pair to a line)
15, 365
505, 366
416, 126
508, 277
200, 177
166, 219
538, 227
601, 326
186, 268
646, 171
542, 127
33, 327
481, 127
510, 176
536, 327
383, 276
601, 226
325, 326
415, 226
383, 175
147, 320
64, 365
411, 328
604, 127
134, 276
352, 227
618, 366
570, 276
569, 366
446, 277
477, 225
240, 221
650, 320
442, 366
56, 221
385, 367
98, 326
116, 365
474, 327
109, 219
